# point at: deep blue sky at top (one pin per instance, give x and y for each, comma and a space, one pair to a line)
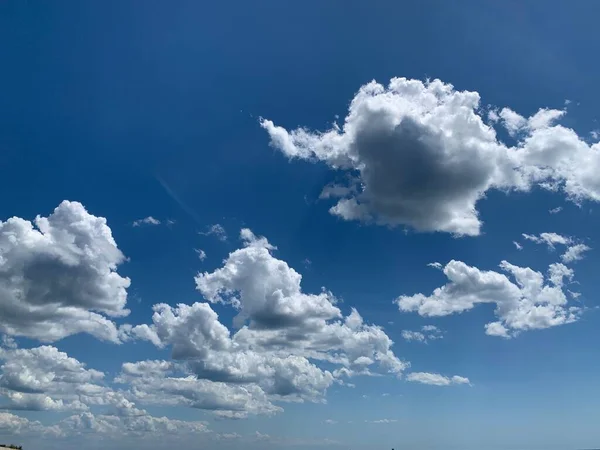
100, 102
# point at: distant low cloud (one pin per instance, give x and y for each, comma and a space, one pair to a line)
146, 221
435, 379
382, 421
216, 230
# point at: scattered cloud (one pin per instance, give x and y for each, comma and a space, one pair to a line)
517, 245
555, 210
382, 421
435, 265
59, 276
574, 251
330, 421
550, 239
435, 379
201, 254
530, 302
419, 154
146, 221
427, 333
216, 230
282, 334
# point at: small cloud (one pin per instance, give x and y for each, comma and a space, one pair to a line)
201, 254
555, 210
517, 245
595, 134
146, 221
170, 223
574, 253
436, 379
365, 396
8, 342
385, 394
330, 422
574, 295
261, 436
307, 263
435, 265
382, 421
567, 102
216, 230
427, 333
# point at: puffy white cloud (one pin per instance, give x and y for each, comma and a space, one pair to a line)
283, 334
58, 276
436, 379
146, 221
11, 425
43, 378
530, 302
216, 230
427, 333
171, 387
420, 154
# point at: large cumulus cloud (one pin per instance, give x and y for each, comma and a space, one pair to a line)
285, 337
58, 276
422, 155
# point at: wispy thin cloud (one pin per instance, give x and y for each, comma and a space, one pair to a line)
216, 230
146, 221
178, 200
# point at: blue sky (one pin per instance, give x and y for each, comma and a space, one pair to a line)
189, 113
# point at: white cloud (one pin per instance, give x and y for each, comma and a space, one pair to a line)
382, 421
43, 378
58, 276
517, 245
427, 333
413, 336
330, 421
530, 302
283, 333
201, 254
555, 210
550, 239
13, 425
435, 379
216, 230
422, 155
435, 265
146, 221
8, 342
574, 253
